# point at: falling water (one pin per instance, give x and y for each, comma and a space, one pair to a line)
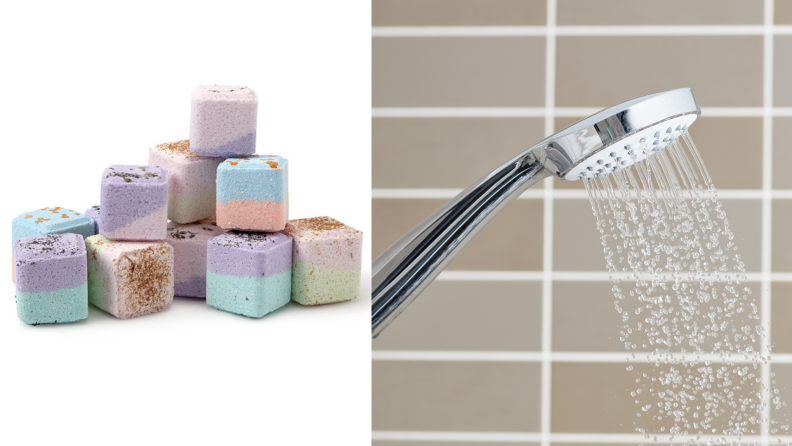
680, 288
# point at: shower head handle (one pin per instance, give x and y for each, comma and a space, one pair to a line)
613, 138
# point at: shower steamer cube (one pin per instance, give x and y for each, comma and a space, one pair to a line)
189, 256
134, 203
129, 279
51, 279
54, 220
325, 262
191, 181
252, 193
248, 273
223, 120
93, 213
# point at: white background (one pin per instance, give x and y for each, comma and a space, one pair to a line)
89, 85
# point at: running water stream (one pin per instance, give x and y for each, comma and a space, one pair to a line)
680, 287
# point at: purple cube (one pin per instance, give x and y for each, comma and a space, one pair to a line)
134, 203
249, 273
189, 256
51, 279
94, 212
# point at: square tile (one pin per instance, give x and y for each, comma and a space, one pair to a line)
745, 220
780, 328
446, 152
458, 12
576, 242
782, 72
456, 396
458, 71
474, 315
511, 241
782, 237
782, 153
729, 145
584, 317
595, 397
783, 382
724, 71
577, 246
782, 12
657, 12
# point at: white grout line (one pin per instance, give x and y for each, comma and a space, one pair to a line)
569, 276
565, 194
547, 249
767, 203
461, 355
540, 112
457, 31
522, 437
609, 30
458, 112
484, 437
555, 356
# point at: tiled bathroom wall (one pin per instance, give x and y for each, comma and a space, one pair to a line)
517, 341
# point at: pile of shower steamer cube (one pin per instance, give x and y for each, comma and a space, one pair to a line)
207, 218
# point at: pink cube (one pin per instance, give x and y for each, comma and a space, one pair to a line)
223, 121
191, 181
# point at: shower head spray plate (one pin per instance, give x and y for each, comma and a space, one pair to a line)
620, 136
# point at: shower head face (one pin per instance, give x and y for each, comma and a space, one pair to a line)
620, 136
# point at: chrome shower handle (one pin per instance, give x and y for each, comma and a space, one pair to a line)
414, 261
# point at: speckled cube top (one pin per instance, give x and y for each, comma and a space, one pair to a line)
51, 220
255, 177
121, 174
215, 93
45, 247
249, 254
326, 242
178, 151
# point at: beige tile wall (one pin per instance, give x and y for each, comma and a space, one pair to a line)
459, 87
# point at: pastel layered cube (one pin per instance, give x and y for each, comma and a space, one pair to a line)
52, 220
94, 212
134, 203
249, 273
51, 279
129, 278
326, 260
223, 120
191, 181
189, 244
252, 193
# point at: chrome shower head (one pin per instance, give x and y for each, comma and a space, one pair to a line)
619, 136
612, 139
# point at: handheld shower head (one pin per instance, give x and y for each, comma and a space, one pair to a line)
612, 139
